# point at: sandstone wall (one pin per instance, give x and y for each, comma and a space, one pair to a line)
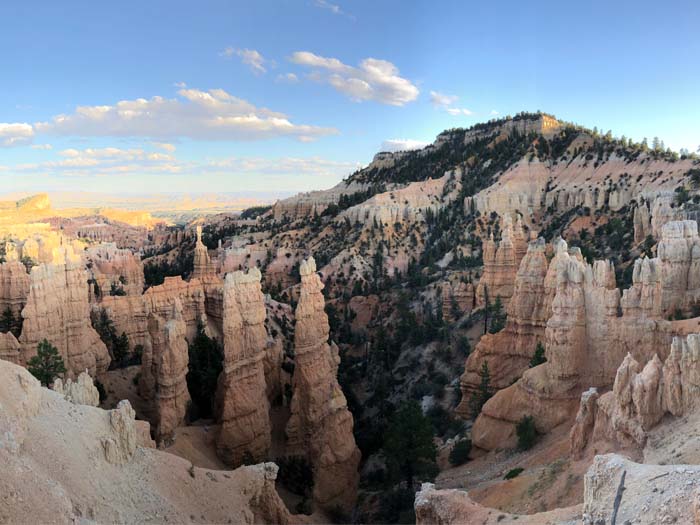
320, 426
57, 309
241, 392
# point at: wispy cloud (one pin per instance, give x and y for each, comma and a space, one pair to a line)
42, 146
403, 144
373, 79
15, 134
441, 100
333, 8
116, 162
250, 57
289, 78
447, 103
194, 114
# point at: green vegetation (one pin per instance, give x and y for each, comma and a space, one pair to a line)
498, 317
255, 212
206, 363
10, 323
460, 452
527, 433
409, 446
538, 358
48, 364
484, 393
514, 473
117, 345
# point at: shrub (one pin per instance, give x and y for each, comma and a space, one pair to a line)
539, 357
460, 452
527, 433
514, 473
47, 365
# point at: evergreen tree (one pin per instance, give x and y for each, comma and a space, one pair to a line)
8, 322
498, 318
120, 349
539, 357
205, 365
47, 364
484, 393
409, 446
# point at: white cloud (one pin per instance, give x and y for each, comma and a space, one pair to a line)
333, 8
165, 146
281, 166
402, 144
494, 112
374, 79
441, 100
459, 111
196, 114
250, 57
42, 146
15, 134
289, 78
447, 102
116, 162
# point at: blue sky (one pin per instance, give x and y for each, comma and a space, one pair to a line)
292, 95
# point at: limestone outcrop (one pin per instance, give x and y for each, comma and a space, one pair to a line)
590, 331
79, 392
241, 392
114, 270
642, 396
631, 492
163, 372
57, 309
320, 425
60, 459
501, 262
190, 295
14, 287
120, 446
585, 422
203, 265
10, 349
509, 351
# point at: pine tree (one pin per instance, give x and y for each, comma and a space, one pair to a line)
483, 394
409, 445
47, 364
539, 356
498, 318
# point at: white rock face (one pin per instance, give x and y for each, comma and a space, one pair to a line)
79, 392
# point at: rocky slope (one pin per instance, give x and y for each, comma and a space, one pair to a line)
62, 459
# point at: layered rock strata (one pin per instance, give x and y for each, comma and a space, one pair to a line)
501, 262
241, 392
320, 426
190, 295
590, 331
114, 270
57, 309
642, 396
14, 287
163, 372
508, 352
